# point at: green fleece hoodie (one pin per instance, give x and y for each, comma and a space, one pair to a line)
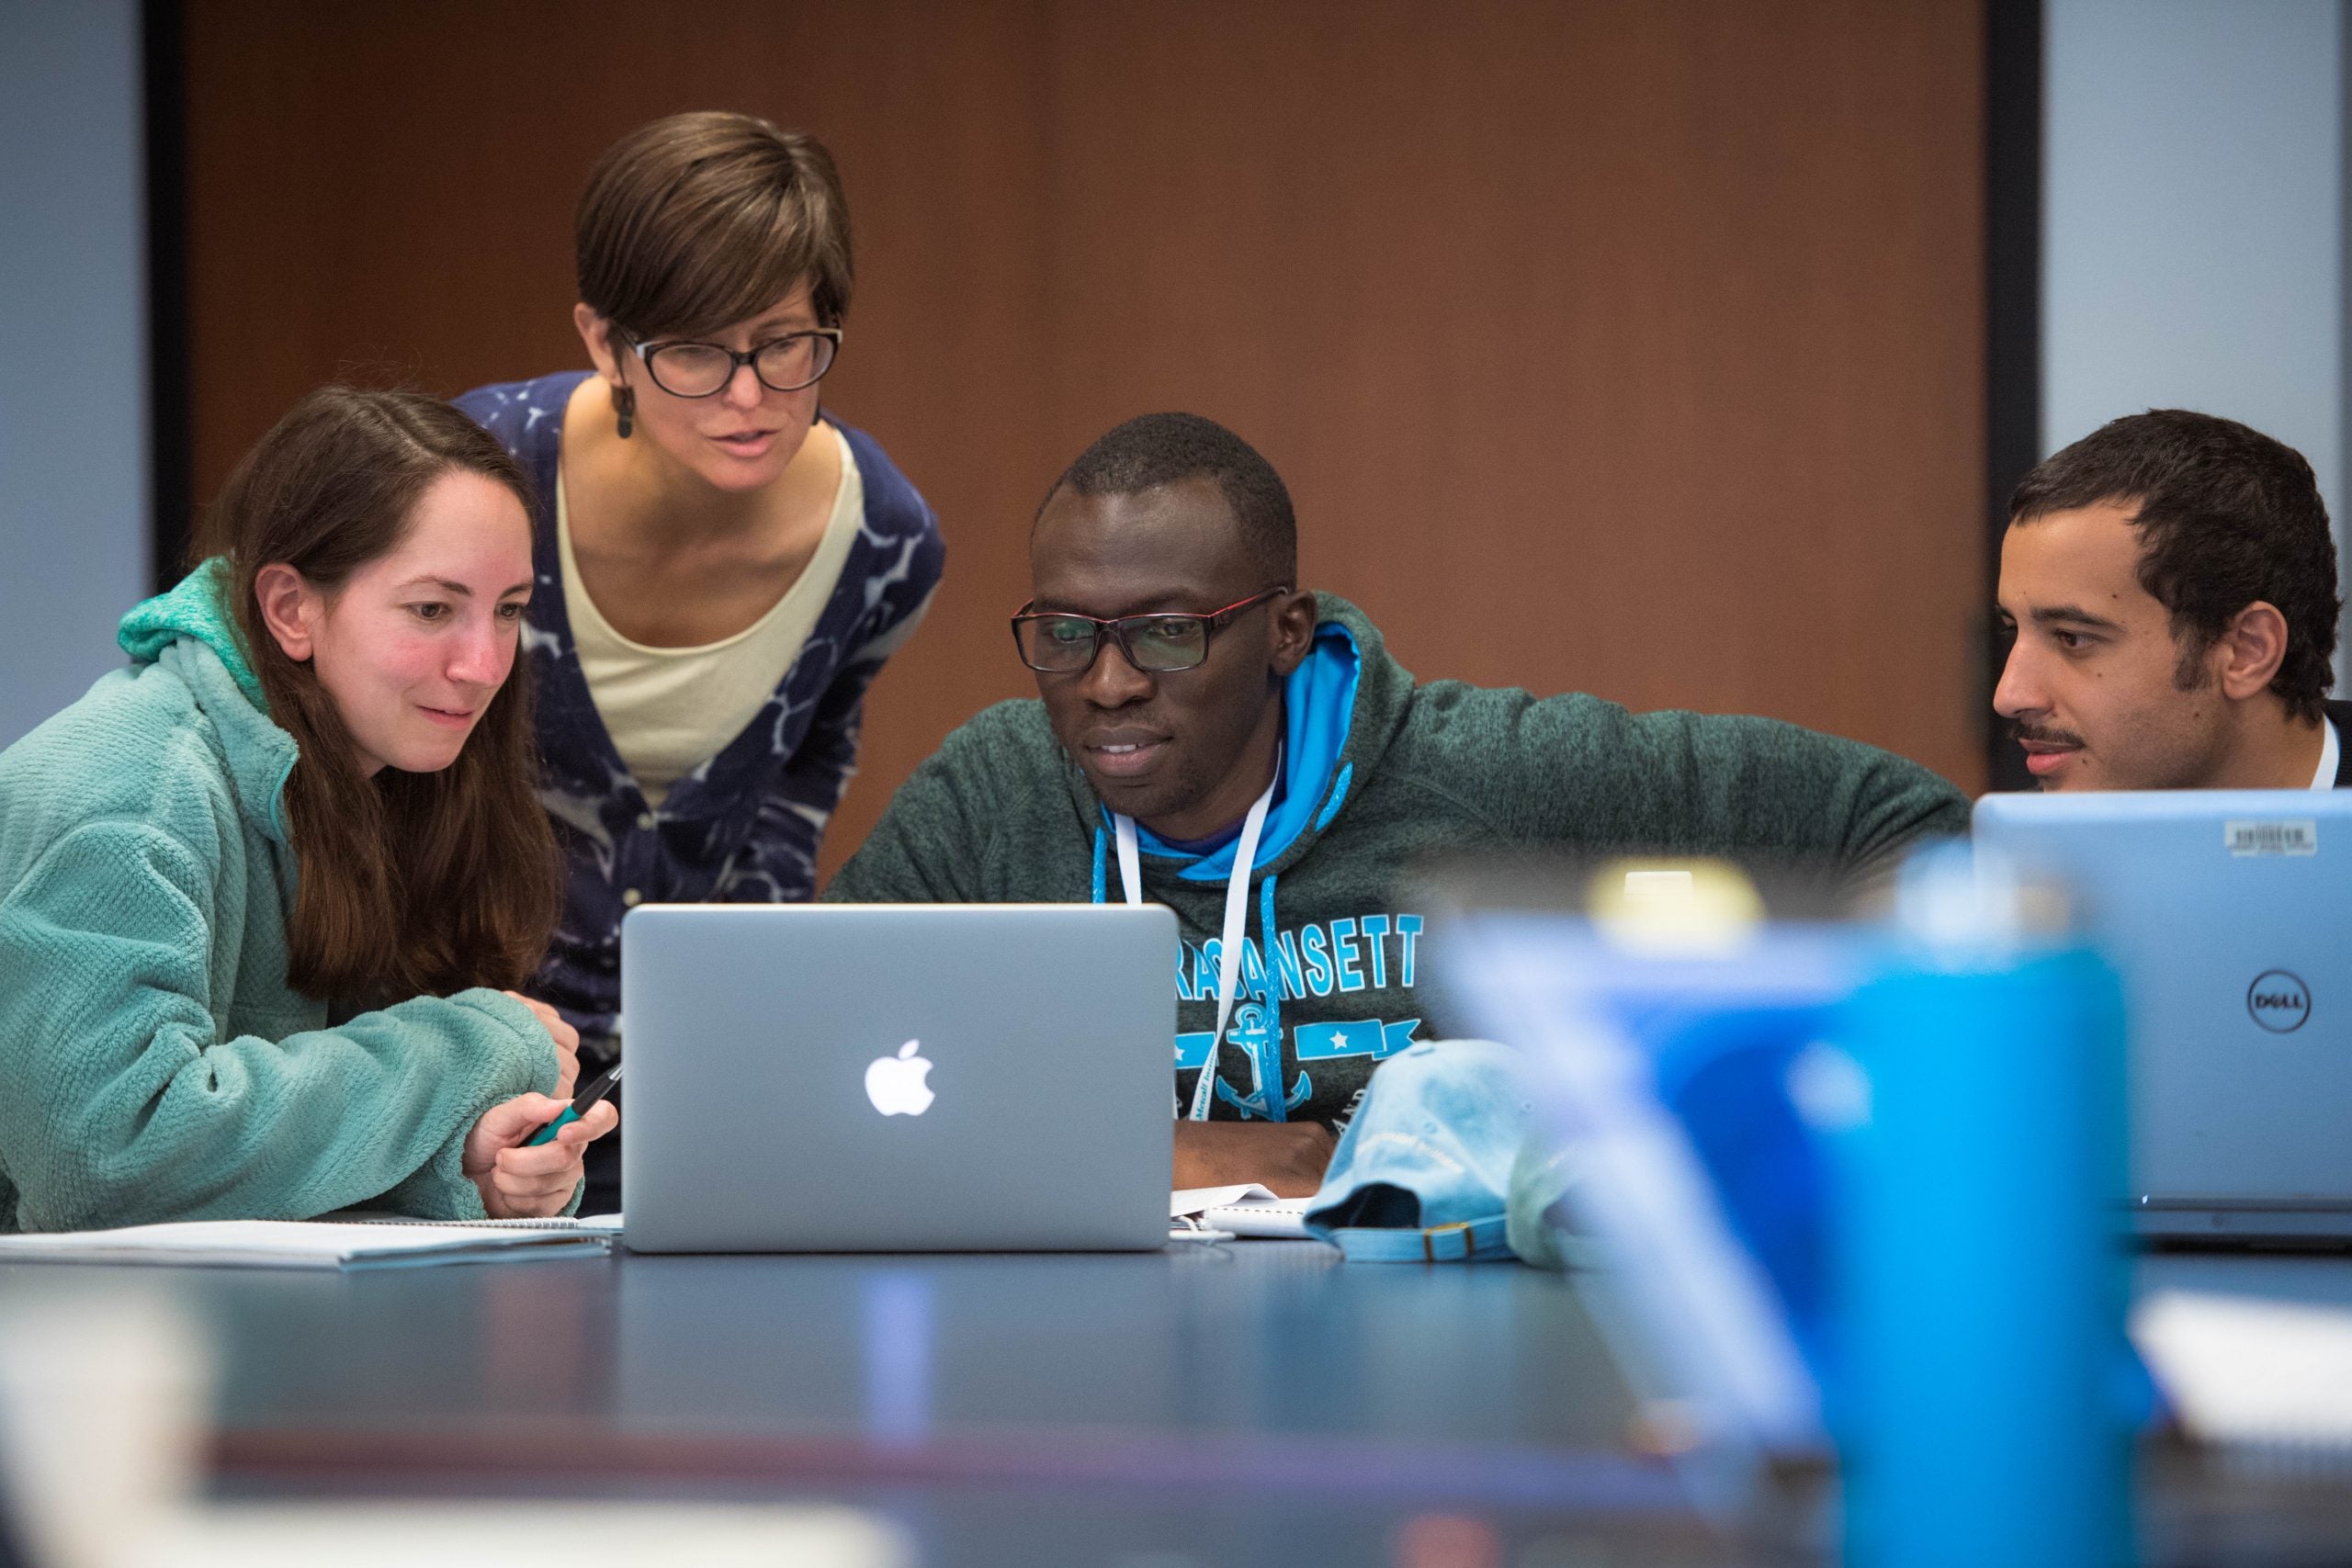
154, 1065
1378, 773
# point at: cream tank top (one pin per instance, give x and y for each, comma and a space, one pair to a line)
670, 710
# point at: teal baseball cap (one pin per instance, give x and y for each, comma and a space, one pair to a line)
1423, 1171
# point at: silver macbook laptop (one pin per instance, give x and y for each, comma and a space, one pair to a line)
897, 1077
2228, 916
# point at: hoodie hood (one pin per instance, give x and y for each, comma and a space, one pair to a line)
189, 634
197, 608
1318, 706
1340, 709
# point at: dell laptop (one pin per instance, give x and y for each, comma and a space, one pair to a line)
2228, 916
897, 1077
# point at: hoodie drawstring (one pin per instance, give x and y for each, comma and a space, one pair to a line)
1236, 920
1270, 1069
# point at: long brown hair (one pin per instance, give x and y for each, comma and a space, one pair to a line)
409, 883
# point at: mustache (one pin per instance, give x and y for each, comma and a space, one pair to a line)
2046, 734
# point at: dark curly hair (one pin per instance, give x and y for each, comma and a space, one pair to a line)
2227, 516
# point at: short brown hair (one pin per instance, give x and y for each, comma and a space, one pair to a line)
2227, 516
408, 883
701, 220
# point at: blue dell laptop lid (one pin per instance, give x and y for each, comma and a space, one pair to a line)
2228, 916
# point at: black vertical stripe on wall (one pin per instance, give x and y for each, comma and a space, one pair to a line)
171, 464
2013, 123
2343, 283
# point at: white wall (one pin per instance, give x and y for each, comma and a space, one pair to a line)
2193, 219
73, 441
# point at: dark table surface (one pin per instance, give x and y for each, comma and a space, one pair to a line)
1251, 1403
1258, 1402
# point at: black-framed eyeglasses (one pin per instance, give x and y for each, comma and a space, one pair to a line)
1057, 642
783, 364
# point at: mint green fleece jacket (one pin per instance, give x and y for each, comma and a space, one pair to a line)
155, 1063
1382, 772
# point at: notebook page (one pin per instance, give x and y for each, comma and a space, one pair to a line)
297, 1243
1186, 1200
2241, 1371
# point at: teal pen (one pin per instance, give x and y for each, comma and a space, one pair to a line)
582, 1103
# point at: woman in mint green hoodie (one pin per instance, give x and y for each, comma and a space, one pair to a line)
261, 892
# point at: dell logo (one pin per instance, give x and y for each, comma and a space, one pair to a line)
2279, 1002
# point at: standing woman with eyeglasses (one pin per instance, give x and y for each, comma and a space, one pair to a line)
721, 567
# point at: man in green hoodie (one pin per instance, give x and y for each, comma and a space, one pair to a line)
1204, 725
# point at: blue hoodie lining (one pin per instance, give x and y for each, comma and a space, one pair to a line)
1318, 703
1318, 709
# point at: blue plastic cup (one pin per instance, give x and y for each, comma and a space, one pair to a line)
1981, 1268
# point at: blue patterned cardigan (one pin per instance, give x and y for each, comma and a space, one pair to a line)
743, 827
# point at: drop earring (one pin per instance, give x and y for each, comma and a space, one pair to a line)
624, 405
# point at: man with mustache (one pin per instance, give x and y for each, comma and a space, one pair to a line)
2171, 586
1208, 735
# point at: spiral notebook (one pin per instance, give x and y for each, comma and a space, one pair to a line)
347, 1243
1248, 1209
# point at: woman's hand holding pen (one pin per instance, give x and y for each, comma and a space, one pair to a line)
517, 1182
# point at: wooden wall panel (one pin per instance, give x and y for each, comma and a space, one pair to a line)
1632, 347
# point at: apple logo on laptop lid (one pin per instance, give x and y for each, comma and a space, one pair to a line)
895, 1084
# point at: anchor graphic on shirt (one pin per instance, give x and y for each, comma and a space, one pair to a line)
1252, 1032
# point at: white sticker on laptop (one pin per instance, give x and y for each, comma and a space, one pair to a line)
2286, 836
